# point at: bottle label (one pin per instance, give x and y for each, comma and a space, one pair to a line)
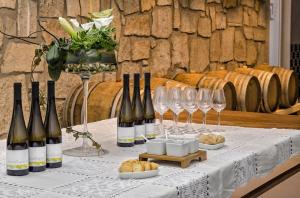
37, 156
126, 134
150, 130
17, 159
54, 153
139, 132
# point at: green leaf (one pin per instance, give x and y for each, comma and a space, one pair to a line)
53, 55
54, 72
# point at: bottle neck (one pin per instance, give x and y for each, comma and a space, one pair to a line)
17, 103
126, 89
147, 84
18, 111
147, 91
36, 104
136, 90
51, 100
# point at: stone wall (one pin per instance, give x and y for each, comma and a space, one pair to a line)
198, 35
153, 35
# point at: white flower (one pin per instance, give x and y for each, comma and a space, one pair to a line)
87, 26
76, 25
103, 22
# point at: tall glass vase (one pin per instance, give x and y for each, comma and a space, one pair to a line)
85, 150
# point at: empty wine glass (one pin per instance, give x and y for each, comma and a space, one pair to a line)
175, 104
160, 103
189, 103
219, 104
204, 102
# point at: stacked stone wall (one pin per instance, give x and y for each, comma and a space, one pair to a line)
153, 35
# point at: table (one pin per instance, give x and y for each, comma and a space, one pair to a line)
248, 153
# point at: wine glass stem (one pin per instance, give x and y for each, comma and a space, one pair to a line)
176, 123
85, 82
189, 122
190, 119
219, 119
161, 118
204, 120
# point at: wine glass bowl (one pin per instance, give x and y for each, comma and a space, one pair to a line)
160, 103
204, 99
189, 103
189, 99
160, 100
175, 104
175, 100
219, 104
204, 102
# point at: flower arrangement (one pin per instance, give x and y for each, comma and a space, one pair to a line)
89, 47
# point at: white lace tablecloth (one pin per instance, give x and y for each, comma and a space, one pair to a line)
248, 153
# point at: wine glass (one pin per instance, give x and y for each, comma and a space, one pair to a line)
204, 102
160, 103
219, 104
175, 104
189, 103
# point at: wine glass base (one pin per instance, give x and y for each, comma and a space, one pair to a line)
85, 152
203, 130
218, 130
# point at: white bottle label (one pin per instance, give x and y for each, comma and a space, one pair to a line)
54, 153
139, 132
126, 134
37, 156
17, 159
150, 130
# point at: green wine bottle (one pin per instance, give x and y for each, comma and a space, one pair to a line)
125, 118
36, 133
17, 141
138, 112
149, 112
53, 131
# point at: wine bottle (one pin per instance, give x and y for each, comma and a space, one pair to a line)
138, 112
125, 118
17, 141
53, 131
149, 113
36, 133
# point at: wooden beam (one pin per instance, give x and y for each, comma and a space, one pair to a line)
288, 111
245, 119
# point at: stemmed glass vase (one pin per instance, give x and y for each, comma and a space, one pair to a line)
93, 64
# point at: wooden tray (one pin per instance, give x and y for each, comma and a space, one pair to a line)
184, 161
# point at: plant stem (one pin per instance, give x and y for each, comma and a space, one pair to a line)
44, 29
20, 38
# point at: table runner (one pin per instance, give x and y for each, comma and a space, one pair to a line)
248, 153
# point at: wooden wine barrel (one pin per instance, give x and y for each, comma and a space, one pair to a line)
105, 98
227, 86
73, 105
247, 87
289, 84
104, 101
270, 86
